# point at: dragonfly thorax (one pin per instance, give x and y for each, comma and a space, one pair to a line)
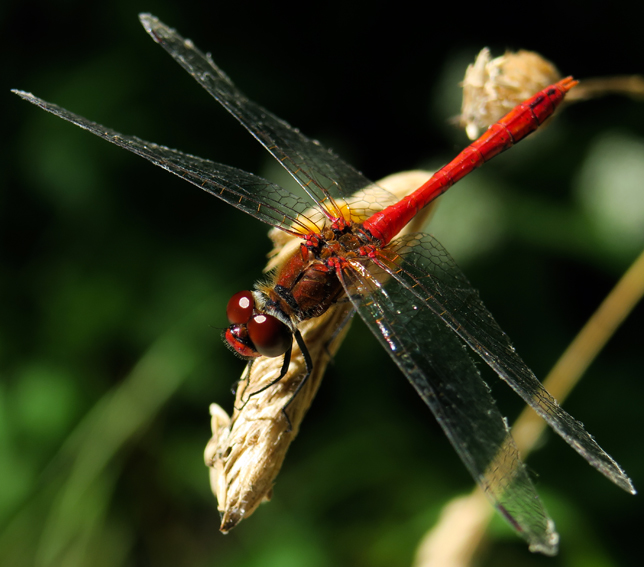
307, 284
262, 322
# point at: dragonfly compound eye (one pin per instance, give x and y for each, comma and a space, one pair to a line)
270, 336
240, 308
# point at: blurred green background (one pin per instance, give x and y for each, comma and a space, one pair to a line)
114, 277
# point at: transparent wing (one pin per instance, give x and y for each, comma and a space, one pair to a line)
420, 265
441, 371
322, 174
252, 194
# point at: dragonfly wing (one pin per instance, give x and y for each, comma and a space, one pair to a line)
444, 375
322, 174
422, 266
258, 197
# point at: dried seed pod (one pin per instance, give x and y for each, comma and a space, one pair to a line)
493, 87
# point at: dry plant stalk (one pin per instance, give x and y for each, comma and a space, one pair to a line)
625, 85
246, 451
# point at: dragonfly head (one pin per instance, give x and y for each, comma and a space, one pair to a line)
253, 333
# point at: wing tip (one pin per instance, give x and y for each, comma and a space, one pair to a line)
152, 25
23, 94
611, 470
147, 20
548, 542
625, 483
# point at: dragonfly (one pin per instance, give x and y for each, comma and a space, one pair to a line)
407, 289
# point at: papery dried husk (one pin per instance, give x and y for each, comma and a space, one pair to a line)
493, 87
246, 451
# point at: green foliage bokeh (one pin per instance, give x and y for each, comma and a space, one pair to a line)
114, 276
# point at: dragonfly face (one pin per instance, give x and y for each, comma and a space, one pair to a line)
252, 331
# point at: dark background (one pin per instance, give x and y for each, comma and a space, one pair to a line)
114, 277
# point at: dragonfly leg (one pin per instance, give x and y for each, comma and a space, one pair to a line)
285, 365
309, 368
244, 378
287, 360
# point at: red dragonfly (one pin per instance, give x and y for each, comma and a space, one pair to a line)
408, 290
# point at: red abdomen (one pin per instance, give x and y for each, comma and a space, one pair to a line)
513, 127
